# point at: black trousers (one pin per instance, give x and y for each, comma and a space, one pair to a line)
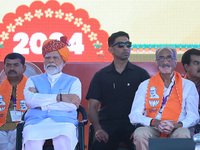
118, 131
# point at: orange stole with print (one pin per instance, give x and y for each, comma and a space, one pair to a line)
173, 105
6, 91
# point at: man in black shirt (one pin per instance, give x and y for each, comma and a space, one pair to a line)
114, 87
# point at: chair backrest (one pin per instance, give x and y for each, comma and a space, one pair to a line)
171, 144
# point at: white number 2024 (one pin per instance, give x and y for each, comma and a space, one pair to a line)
76, 42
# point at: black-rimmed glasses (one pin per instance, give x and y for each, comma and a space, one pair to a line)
162, 58
121, 44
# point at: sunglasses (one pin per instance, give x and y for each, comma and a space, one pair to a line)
121, 44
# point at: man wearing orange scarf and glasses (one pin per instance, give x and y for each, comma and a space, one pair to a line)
173, 111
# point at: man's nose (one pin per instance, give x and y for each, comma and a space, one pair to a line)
51, 59
125, 46
12, 67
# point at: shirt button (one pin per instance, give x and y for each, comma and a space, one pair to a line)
48, 110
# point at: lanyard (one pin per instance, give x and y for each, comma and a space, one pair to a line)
166, 97
14, 102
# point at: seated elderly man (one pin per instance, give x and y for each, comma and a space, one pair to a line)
173, 111
53, 98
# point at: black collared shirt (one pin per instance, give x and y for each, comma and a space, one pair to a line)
116, 91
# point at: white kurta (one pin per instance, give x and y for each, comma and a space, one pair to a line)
189, 115
48, 128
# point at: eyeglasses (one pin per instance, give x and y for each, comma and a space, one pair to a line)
168, 58
121, 44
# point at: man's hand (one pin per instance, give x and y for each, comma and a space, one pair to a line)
166, 126
32, 89
71, 98
132, 137
101, 135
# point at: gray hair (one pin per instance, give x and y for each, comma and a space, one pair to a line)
172, 49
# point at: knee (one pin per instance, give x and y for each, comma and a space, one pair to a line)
181, 133
60, 139
34, 144
140, 133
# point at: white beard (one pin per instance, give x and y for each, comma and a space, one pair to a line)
53, 70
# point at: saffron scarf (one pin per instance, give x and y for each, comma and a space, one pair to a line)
173, 105
6, 92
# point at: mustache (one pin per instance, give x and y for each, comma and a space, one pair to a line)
126, 52
165, 65
12, 71
52, 64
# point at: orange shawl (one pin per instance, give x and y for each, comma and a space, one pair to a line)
6, 91
173, 106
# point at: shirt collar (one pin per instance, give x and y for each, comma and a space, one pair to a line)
111, 67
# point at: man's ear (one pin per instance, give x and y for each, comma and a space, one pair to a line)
64, 63
175, 62
185, 66
24, 67
156, 63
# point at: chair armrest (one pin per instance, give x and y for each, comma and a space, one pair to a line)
82, 110
81, 124
197, 128
91, 135
20, 127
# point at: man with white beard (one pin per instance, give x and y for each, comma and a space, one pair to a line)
53, 98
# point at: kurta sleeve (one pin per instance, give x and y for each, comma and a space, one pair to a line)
137, 114
49, 101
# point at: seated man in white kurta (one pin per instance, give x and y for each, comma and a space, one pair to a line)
53, 98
